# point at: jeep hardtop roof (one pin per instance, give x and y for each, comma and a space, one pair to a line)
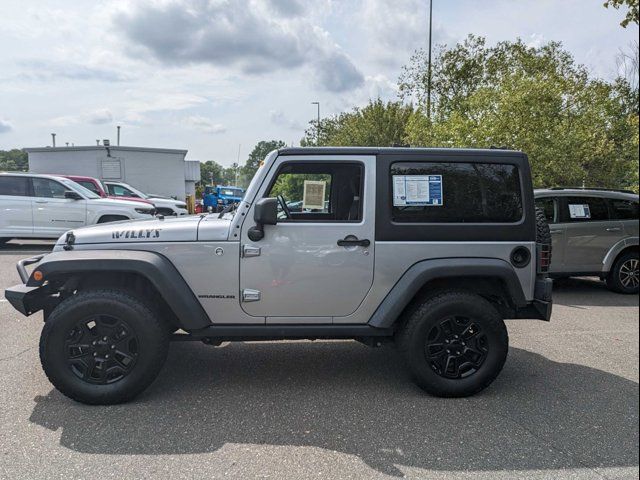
396, 151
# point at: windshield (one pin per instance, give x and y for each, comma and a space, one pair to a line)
136, 191
78, 188
231, 192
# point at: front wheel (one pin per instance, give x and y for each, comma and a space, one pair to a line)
454, 343
624, 276
103, 346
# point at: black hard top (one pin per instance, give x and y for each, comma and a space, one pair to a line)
394, 151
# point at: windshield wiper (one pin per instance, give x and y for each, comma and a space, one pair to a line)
227, 209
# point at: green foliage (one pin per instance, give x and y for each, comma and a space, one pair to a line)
212, 173
632, 13
257, 155
291, 185
377, 124
575, 129
13, 161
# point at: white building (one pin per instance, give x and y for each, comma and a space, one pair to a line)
153, 170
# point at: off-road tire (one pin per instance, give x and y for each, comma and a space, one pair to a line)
614, 280
543, 232
112, 218
421, 318
152, 340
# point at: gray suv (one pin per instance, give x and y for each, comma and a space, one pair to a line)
429, 248
595, 233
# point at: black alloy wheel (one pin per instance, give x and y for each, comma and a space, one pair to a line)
456, 347
101, 349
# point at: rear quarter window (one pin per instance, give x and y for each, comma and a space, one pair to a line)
470, 192
624, 209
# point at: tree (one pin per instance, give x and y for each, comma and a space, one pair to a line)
575, 129
257, 155
14, 160
377, 124
632, 13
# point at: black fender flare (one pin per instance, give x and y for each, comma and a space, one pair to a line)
425, 271
156, 268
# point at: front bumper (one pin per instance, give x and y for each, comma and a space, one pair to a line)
26, 300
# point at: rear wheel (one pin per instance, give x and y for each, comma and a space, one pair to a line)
624, 276
103, 346
454, 343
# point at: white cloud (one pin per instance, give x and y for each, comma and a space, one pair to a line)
96, 117
243, 35
204, 124
279, 118
5, 126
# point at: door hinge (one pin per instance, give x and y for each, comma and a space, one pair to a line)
250, 251
250, 295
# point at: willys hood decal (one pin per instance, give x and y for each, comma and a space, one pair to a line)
181, 229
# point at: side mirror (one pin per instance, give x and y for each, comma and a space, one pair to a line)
71, 195
264, 213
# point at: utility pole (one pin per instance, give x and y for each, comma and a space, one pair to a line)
429, 66
237, 165
317, 123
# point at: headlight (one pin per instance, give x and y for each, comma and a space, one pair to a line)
220, 201
145, 211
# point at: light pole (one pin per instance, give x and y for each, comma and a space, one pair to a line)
317, 124
429, 66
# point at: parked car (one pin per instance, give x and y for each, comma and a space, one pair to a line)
220, 196
430, 248
595, 233
96, 187
164, 206
46, 206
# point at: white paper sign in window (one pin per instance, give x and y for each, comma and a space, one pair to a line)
579, 211
417, 190
313, 196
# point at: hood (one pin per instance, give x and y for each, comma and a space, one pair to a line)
175, 229
112, 202
131, 199
166, 201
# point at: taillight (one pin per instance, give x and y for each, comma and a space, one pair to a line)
544, 257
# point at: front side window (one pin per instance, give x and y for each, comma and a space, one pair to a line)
624, 209
455, 192
548, 206
90, 186
586, 209
46, 188
119, 191
14, 186
318, 191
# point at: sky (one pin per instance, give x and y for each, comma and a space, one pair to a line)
217, 76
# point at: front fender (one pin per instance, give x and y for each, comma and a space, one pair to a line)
156, 268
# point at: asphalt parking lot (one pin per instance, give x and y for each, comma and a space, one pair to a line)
566, 406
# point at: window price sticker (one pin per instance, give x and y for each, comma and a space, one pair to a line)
417, 190
579, 211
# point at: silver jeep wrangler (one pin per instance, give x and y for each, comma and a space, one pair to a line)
430, 248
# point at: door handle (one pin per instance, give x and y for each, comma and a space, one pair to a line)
353, 242
556, 232
614, 229
41, 201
